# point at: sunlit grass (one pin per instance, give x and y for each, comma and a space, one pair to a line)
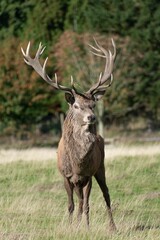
33, 202
44, 154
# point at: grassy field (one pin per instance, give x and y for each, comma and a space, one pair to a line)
33, 202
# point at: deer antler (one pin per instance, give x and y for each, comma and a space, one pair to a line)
41, 70
101, 52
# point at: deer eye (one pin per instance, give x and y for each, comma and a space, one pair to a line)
76, 106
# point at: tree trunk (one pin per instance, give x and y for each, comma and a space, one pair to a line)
61, 116
100, 109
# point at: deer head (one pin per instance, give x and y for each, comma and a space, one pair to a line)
82, 103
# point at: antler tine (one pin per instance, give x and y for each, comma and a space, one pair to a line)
60, 87
108, 66
72, 81
99, 55
40, 50
99, 80
109, 63
28, 48
44, 64
96, 49
114, 48
41, 70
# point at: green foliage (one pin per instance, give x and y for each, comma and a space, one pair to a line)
66, 27
32, 20
13, 15
46, 20
25, 100
146, 42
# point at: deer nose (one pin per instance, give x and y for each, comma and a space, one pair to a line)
91, 118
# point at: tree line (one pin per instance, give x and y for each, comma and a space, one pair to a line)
66, 27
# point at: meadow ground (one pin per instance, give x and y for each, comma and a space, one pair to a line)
33, 202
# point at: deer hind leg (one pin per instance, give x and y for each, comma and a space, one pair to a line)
86, 193
100, 177
69, 189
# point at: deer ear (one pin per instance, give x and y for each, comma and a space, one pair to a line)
98, 95
69, 98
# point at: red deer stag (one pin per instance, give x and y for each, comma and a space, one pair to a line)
81, 149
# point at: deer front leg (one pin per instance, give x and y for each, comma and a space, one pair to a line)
79, 192
86, 193
100, 177
69, 189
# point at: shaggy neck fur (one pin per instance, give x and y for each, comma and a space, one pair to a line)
79, 139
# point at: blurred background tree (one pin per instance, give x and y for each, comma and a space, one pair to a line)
28, 104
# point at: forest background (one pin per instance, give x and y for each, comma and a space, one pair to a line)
30, 110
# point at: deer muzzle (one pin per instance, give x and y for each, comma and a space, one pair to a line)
89, 119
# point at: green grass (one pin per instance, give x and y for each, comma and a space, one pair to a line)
33, 202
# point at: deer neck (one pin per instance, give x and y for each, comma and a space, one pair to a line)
79, 141
80, 132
